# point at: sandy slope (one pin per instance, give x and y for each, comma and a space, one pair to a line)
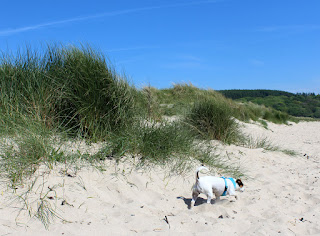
281, 197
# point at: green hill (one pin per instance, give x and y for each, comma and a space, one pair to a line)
300, 104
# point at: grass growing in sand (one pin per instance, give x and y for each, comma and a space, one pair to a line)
72, 93
212, 119
67, 87
178, 100
265, 144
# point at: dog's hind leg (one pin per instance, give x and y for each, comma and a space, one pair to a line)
209, 195
194, 197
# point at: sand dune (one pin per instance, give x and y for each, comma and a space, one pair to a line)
281, 196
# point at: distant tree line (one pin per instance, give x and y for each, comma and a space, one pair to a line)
299, 104
238, 93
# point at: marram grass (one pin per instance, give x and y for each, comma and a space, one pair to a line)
75, 92
70, 87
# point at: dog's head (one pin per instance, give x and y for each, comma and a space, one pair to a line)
240, 184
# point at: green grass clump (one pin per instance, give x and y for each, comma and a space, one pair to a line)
69, 87
155, 142
277, 117
93, 97
148, 104
213, 119
163, 141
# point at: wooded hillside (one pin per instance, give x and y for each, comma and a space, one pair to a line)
300, 104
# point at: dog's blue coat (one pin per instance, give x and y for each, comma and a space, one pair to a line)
225, 181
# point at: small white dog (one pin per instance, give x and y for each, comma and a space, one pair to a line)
219, 186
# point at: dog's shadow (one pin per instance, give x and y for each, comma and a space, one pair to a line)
199, 201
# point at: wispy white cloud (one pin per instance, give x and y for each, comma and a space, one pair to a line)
43, 25
5, 32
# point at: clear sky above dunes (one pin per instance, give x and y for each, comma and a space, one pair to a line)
218, 44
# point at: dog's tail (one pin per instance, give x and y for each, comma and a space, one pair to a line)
198, 170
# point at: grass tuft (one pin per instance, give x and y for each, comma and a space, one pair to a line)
73, 88
156, 142
212, 119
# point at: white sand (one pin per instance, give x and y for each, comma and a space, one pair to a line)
281, 197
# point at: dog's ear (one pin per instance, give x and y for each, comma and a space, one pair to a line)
239, 182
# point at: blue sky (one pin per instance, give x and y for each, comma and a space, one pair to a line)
218, 44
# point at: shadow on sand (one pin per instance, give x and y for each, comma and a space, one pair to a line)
199, 201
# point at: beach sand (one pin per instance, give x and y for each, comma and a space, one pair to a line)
281, 197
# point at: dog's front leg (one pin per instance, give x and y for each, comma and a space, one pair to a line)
209, 195
233, 193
